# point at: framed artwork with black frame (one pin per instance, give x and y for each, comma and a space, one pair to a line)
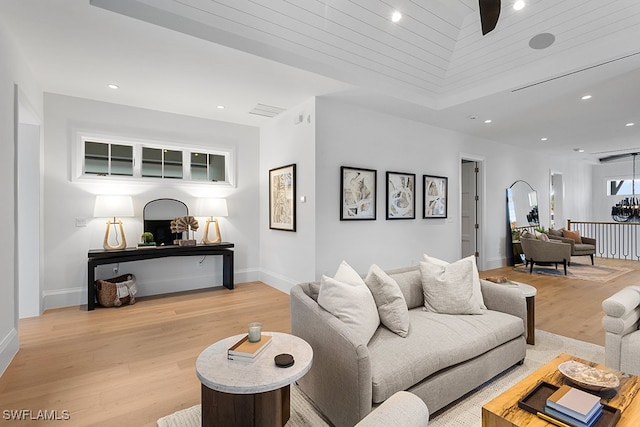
282, 198
401, 195
357, 194
435, 196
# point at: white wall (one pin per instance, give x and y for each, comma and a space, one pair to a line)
66, 246
13, 71
354, 136
288, 258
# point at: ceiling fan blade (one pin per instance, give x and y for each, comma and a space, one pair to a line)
489, 14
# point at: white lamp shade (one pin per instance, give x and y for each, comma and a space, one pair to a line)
212, 207
113, 206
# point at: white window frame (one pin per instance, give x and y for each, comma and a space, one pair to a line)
78, 158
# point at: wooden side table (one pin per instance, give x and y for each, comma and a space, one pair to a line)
529, 293
251, 393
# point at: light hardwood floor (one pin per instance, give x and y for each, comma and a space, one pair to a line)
129, 366
571, 307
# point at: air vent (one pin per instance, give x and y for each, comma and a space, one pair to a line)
266, 110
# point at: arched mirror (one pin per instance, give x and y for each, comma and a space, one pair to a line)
522, 213
522, 202
157, 216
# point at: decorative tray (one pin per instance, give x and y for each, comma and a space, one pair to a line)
535, 400
588, 377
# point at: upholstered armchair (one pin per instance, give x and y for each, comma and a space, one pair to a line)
622, 337
580, 245
545, 252
402, 409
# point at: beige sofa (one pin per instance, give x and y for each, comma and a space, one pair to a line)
442, 358
622, 337
403, 409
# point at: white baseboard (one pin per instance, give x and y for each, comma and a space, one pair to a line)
69, 297
277, 281
8, 349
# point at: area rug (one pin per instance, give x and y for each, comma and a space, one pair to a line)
466, 412
595, 273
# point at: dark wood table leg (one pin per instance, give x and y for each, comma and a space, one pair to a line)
270, 409
91, 290
227, 270
531, 320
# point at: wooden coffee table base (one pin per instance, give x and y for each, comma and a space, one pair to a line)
503, 411
271, 408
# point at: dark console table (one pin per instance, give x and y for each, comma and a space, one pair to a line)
99, 256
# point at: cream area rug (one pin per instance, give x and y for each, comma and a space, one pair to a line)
596, 273
466, 412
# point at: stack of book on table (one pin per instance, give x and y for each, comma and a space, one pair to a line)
246, 350
574, 407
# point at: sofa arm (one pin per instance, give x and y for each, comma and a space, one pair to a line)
506, 299
402, 409
622, 311
339, 381
622, 315
588, 240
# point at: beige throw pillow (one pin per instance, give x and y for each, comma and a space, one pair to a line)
392, 306
447, 289
477, 288
348, 298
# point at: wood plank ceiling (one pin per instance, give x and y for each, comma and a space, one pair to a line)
435, 56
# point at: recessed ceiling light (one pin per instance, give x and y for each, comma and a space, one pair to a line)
630, 124
220, 107
396, 16
579, 150
518, 5
488, 121
113, 86
544, 139
584, 98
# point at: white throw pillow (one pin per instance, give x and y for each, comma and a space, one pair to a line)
477, 288
392, 307
447, 289
347, 297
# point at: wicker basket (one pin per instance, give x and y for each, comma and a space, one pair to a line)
107, 291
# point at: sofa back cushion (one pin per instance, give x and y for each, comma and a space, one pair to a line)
392, 307
410, 282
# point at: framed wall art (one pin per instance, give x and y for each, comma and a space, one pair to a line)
282, 198
357, 194
435, 196
401, 200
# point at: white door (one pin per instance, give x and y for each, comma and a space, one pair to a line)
28, 217
472, 208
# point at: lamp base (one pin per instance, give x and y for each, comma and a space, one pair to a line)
205, 237
109, 247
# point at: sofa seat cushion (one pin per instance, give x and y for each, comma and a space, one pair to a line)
435, 342
580, 248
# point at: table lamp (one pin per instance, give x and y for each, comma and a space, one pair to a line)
212, 208
113, 207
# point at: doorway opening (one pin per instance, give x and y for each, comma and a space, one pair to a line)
472, 208
28, 249
556, 200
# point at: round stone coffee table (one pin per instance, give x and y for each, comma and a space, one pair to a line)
254, 392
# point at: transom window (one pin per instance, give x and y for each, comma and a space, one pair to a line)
622, 187
105, 158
